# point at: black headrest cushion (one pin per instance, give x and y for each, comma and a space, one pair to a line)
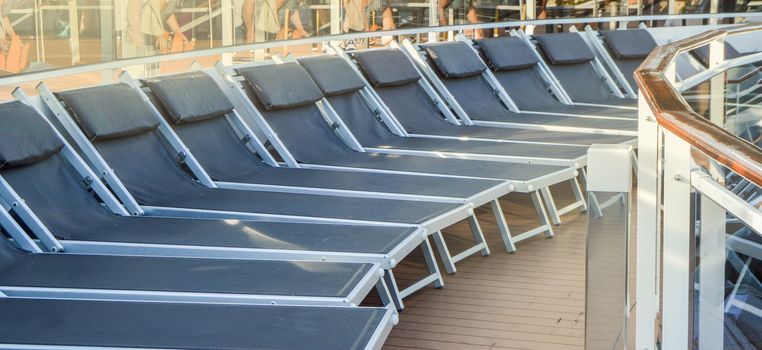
507, 53
629, 44
455, 59
190, 97
25, 137
565, 48
386, 67
332, 74
282, 86
109, 112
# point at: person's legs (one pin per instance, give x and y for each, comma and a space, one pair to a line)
296, 19
388, 24
441, 6
473, 19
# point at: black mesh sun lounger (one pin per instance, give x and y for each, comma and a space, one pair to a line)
74, 324
361, 122
216, 145
516, 67
570, 59
349, 106
54, 275
315, 143
115, 121
628, 49
52, 190
413, 107
40, 171
473, 97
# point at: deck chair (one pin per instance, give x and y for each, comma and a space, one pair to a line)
622, 51
579, 72
384, 142
33, 157
165, 189
77, 324
359, 113
480, 99
121, 130
419, 112
318, 144
55, 214
427, 118
217, 145
522, 74
202, 280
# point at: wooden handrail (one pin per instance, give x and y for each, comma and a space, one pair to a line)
674, 114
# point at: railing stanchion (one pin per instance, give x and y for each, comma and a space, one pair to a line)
678, 238
648, 228
711, 305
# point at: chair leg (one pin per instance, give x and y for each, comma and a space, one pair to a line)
552, 209
384, 293
502, 225
479, 240
434, 277
541, 214
578, 195
444, 252
478, 234
394, 291
431, 264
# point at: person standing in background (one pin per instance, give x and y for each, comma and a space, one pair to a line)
455, 5
355, 19
387, 18
157, 20
289, 12
243, 21
5, 23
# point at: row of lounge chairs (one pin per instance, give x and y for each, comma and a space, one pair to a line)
257, 205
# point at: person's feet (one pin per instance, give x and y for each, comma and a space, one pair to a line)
299, 33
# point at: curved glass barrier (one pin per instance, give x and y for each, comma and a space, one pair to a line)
47, 34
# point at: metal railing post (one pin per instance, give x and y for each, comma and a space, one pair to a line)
711, 303
717, 83
678, 238
648, 227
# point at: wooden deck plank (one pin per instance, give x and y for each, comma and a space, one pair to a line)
531, 299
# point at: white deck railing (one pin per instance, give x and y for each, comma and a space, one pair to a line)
685, 207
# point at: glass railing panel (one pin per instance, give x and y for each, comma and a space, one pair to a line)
728, 269
730, 98
49, 34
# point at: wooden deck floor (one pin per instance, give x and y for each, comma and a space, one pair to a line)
532, 299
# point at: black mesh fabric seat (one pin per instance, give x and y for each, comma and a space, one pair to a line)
220, 151
360, 120
569, 59
157, 274
315, 143
80, 323
53, 190
478, 100
527, 88
155, 178
418, 114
